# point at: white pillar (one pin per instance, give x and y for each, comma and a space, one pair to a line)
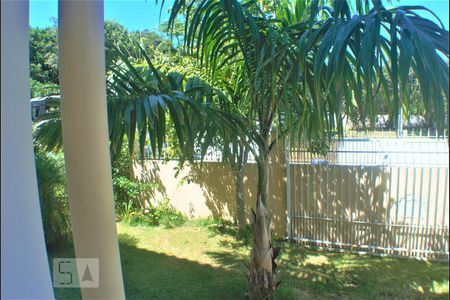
25, 272
86, 142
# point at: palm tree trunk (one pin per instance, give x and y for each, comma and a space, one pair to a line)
262, 269
263, 187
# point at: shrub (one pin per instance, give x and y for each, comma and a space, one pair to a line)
168, 216
53, 198
123, 214
162, 215
39, 89
130, 215
127, 196
127, 190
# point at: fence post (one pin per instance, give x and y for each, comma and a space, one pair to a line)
400, 122
288, 188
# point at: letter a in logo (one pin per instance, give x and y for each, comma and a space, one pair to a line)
87, 275
88, 272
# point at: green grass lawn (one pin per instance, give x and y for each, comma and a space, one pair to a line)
205, 261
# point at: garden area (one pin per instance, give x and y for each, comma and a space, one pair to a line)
243, 79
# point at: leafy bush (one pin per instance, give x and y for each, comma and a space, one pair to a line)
162, 215
167, 216
53, 198
130, 215
127, 196
123, 214
127, 191
39, 89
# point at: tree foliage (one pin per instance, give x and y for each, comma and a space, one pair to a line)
44, 52
44, 55
53, 198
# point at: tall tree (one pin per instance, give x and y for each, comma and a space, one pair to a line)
115, 34
177, 31
44, 55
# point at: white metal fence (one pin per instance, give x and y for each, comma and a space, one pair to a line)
213, 154
377, 195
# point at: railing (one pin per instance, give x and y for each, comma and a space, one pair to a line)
425, 133
212, 155
379, 152
376, 195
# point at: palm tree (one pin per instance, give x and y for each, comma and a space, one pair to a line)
307, 64
139, 98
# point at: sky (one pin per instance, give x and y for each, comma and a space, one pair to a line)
133, 14
144, 14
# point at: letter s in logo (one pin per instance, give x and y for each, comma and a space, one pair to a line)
61, 272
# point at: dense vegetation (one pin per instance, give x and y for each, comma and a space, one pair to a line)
44, 52
49, 158
53, 198
130, 207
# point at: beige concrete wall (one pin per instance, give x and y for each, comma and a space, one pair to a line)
209, 191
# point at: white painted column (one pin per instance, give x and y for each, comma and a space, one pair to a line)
86, 142
25, 272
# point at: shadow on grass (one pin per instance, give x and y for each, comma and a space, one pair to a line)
151, 275
311, 273
227, 228
305, 274
315, 274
